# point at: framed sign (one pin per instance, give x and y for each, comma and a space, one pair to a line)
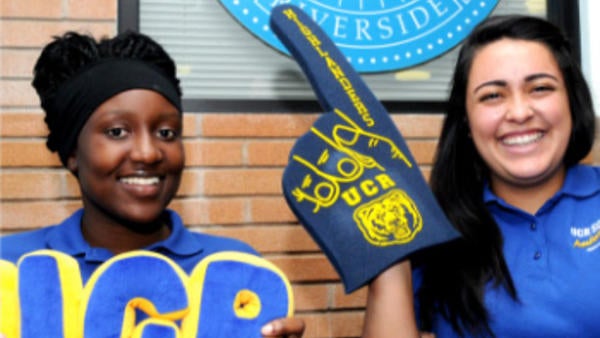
227, 64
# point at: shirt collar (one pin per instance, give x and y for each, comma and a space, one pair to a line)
580, 181
67, 238
181, 241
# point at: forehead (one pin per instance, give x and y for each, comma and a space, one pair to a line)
512, 59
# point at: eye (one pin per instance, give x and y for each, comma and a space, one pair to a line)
543, 88
168, 134
116, 132
489, 96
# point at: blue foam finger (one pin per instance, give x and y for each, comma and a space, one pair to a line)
351, 180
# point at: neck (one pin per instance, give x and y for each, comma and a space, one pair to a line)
529, 197
118, 237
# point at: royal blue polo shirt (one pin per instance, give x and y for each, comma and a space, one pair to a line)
184, 247
554, 259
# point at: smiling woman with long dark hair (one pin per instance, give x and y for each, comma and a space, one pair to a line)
507, 174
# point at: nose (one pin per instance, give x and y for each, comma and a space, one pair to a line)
519, 110
145, 149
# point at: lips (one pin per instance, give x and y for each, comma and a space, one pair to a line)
522, 139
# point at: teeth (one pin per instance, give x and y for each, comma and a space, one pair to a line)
523, 139
140, 180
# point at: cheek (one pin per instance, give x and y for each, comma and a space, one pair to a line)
98, 163
483, 124
559, 113
176, 156
94, 154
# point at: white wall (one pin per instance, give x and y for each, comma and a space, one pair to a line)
590, 47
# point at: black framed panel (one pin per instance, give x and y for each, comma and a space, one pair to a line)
563, 13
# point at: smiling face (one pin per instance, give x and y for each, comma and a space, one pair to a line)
129, 160
518, 112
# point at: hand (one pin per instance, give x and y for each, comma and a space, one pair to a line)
284, 327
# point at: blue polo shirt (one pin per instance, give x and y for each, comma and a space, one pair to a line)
554, 260
184, 247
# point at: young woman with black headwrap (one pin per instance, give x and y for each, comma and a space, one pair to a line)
113, 109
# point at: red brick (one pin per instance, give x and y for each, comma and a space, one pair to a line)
333, 324
18, 63
34, 214
19, 124
32, 33
426, 171
31, 8
213, 153
190, 125
256, 125
209, 212
269, 153
311, 296
270, 239
328, 296
354, 300
223, 182
34, 184
419, 125
317, 325
92, 9
270, 210
346, 324
305, 268
27, 154
422, 151
191, 183
18, 93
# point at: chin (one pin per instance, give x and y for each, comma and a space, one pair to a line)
145, 222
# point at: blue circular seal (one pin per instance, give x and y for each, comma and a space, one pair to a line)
375, 35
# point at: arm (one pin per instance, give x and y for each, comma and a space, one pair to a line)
390, 310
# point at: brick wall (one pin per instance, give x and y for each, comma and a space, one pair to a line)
232, 182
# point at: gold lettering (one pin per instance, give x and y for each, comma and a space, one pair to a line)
385, 181
369, 188
334, 68
588, 242
351, 196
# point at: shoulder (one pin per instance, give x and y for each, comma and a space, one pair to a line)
582, 180
13, 246
585, 170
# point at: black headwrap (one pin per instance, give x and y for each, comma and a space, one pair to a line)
78, 98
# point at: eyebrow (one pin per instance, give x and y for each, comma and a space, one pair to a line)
503, 83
